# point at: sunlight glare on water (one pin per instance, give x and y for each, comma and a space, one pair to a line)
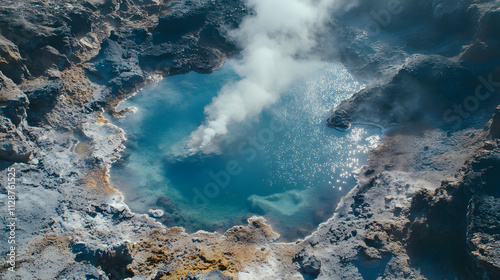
285, 164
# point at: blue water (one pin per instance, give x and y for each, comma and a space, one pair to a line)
284, 164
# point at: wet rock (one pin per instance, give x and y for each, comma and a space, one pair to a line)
481, 52
127, 80
483, 232
124, 112
340, 120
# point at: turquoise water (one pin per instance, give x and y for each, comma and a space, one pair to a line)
285, 164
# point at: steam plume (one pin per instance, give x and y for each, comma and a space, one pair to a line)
277, 42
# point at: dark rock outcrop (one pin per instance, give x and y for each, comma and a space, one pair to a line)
419, 92
339, 120
495, 125
11, 62
459, 220
440, 84
308, 264
14, 145
113, 261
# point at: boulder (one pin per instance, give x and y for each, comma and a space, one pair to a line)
11, 62
308, 264
339, 120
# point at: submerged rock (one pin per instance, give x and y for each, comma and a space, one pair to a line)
156, 213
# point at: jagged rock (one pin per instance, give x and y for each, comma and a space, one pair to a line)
42, 98
113, 260
460, 219
483, 232
14, 148
11, 62
13, 101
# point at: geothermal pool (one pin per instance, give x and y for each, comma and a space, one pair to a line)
285, 164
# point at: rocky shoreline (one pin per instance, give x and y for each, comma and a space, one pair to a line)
430, 184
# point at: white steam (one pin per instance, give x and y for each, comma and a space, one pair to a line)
277, 42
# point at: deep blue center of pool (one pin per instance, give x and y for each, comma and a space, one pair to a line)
284, 164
